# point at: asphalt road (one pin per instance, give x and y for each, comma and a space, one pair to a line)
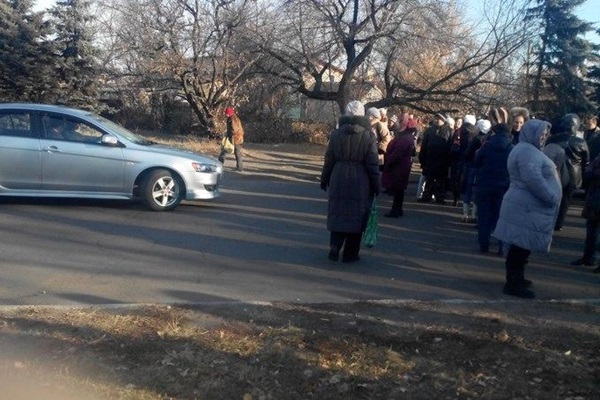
263, 240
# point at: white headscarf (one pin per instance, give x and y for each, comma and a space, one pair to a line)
355, 108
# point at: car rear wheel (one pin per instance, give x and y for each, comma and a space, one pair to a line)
162, 190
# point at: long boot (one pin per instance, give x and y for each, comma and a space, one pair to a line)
397, 203
515, 267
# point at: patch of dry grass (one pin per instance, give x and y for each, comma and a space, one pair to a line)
295, 352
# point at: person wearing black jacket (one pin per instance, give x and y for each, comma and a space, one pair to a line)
434, 158
492, 177
592, 137
592, 215
577, 158
518, 116
351, 178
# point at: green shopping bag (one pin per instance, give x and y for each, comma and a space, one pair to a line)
227, 145
370, 235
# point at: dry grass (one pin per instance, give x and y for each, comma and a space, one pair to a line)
298, 352
189, 142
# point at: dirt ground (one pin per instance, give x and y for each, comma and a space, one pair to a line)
405, 350
366, 350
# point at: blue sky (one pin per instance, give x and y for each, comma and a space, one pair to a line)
588, 11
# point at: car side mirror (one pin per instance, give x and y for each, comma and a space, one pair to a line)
110, 140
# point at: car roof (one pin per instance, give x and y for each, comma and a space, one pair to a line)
45, 107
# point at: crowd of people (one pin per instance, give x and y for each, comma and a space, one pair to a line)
513, 175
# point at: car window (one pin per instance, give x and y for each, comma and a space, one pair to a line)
15, 123
127, 134
67, 129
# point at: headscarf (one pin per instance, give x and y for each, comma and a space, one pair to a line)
469, 119
374, 112
355, 108
484, 126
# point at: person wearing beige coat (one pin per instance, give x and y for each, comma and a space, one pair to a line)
381, 132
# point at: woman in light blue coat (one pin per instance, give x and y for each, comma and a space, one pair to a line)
529, 207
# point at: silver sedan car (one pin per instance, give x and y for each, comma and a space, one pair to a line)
55, 151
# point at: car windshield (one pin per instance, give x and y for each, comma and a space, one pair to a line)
127, 134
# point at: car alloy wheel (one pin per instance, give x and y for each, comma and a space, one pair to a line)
162, 191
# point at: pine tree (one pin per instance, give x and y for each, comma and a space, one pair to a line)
594, 75
25, 53
77, 68
561, 84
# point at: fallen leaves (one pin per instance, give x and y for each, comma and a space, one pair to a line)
306, 352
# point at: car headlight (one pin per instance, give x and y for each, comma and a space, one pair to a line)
204, 167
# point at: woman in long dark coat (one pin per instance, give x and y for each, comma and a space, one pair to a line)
589, 212
491, 175
351, 177
398, 162
434, 158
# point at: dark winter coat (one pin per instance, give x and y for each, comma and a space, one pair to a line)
490, 160
468, 133
515, 137
591, 207
398, 161
435, 151
350, 174
592, 138
556, 152
474, 145
577, 152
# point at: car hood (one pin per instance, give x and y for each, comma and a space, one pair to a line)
172, 151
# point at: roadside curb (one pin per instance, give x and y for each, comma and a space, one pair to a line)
396, 302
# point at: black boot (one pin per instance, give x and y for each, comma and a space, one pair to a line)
518, 290
516, 284
334, 253
583, 261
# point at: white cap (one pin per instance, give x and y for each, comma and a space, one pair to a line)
355, 108
373, 112
470, 119
484, 125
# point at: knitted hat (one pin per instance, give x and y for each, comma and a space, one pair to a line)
484, 125
229, 111
355, 108
373, 112
498, 116
469, 119
440, 116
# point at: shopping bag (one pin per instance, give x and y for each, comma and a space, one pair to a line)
227, 145
370, 235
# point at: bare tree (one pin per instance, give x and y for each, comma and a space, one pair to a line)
416, 53
187, 46
460, 66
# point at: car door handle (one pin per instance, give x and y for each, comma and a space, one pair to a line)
52, 149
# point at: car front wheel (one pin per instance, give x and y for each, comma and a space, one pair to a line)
162, 190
